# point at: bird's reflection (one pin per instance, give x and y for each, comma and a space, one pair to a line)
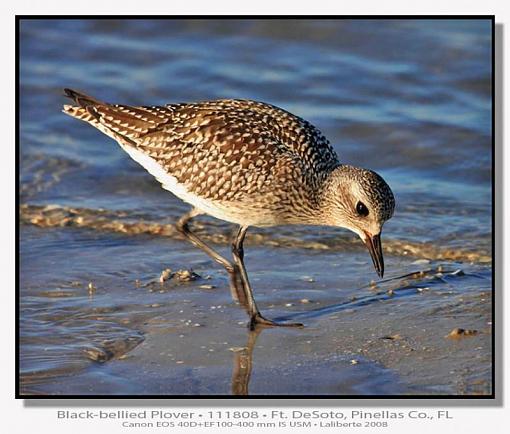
243, 357
243, 361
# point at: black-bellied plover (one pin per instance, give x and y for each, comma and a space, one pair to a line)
249, 163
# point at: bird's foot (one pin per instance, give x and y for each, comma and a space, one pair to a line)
258, 320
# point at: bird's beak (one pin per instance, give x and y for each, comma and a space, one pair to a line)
373, 243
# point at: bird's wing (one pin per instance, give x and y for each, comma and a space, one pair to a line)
225, 149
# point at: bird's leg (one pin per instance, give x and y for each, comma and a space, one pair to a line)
256, 317
236, 284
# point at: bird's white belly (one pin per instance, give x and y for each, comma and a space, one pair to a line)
214, 208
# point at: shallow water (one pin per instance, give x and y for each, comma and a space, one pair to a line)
410, 99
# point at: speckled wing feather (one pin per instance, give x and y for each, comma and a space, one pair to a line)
224, 150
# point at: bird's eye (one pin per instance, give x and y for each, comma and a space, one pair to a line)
361, 209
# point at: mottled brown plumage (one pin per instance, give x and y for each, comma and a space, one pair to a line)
245, 162
231, 151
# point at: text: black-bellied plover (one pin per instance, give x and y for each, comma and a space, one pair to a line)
248, 163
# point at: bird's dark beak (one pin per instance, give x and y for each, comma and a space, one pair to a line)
373, 243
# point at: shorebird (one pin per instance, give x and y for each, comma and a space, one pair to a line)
248, 163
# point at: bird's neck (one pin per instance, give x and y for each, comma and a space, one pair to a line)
314, 206
330, 195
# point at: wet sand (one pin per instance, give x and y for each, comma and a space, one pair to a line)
129, 333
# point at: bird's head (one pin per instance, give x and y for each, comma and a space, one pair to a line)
361, 201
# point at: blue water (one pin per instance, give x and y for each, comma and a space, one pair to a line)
410, 99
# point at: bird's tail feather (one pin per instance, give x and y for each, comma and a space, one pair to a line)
85, 109
81, 99
122, 123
